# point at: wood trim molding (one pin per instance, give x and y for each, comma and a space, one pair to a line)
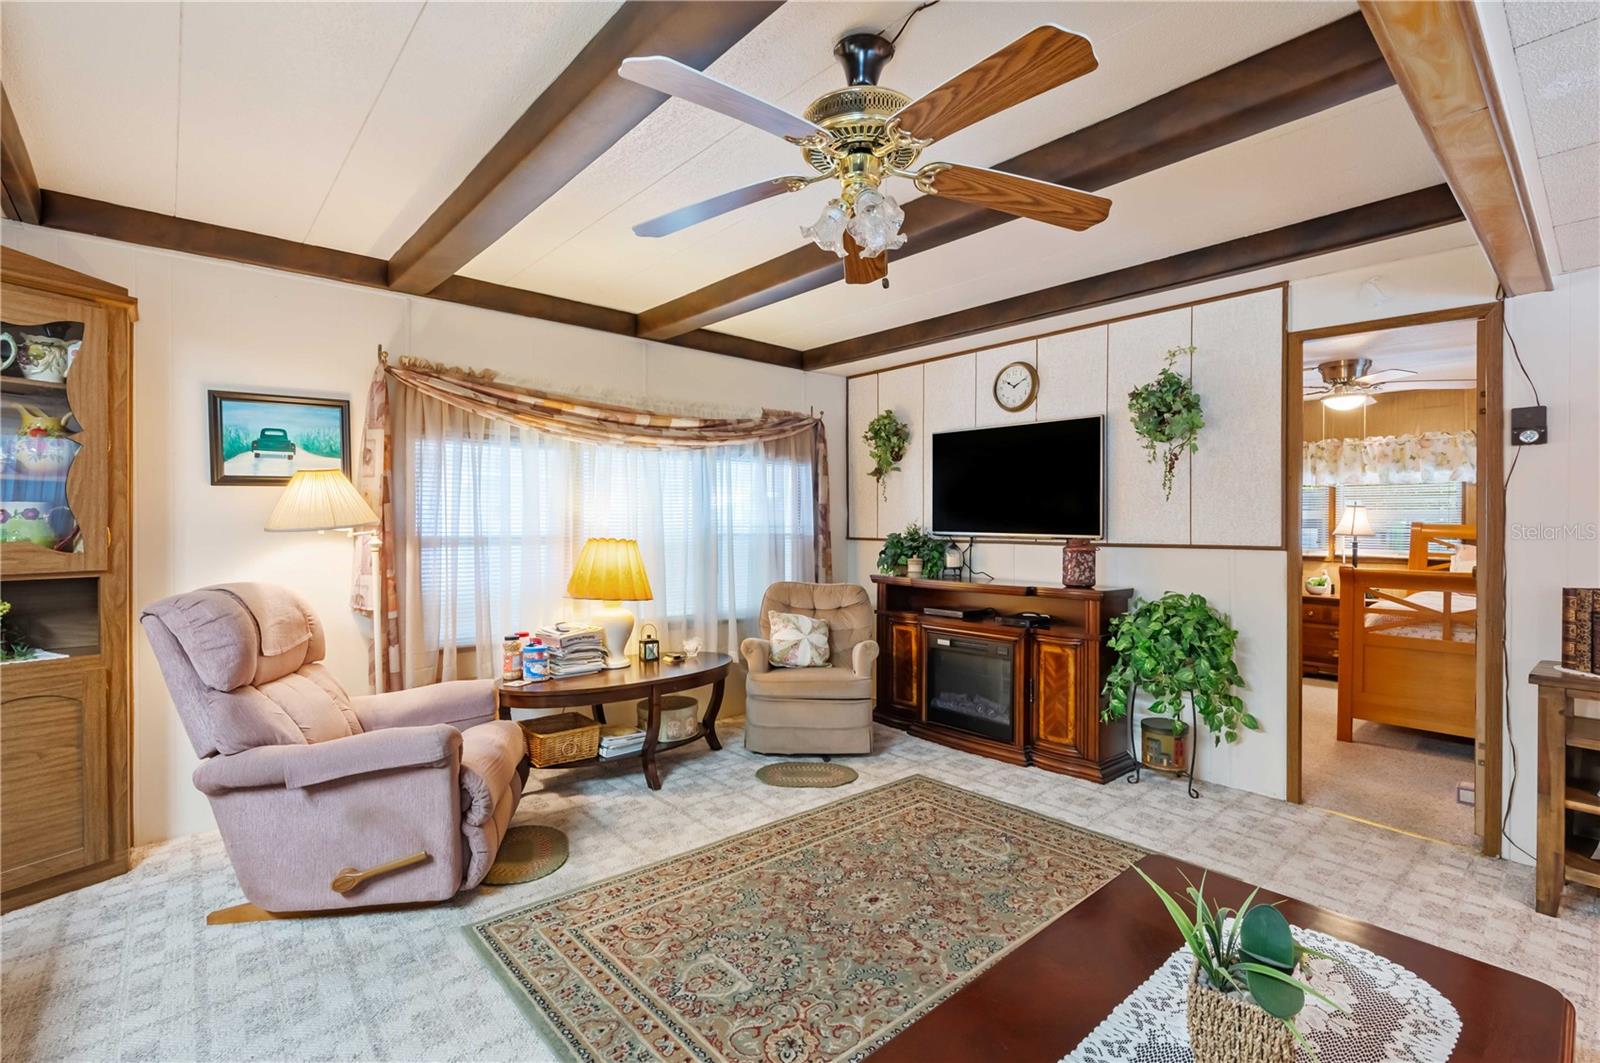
19, 188
92, 217
1328, 66
586, 110
1411, 212
1437, 54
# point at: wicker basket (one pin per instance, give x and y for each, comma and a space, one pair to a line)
560, 739
1227, 1028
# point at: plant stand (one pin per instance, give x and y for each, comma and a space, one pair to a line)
1134, 744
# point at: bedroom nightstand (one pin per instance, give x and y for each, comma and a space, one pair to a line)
1319, 636
1560, 732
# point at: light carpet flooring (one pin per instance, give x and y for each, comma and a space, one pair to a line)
128, 970
1390, 775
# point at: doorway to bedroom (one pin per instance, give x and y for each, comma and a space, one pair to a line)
1391, 722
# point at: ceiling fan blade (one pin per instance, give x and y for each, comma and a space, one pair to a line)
1313, 392
1036, 62
1022, 196
858, 270
1378, 377
672, 77
695, 213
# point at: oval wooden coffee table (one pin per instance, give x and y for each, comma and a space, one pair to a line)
641, 679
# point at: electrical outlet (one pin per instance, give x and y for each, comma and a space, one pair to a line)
1466, 793
1529, 426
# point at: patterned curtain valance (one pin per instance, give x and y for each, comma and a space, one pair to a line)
1424, 458
479, 392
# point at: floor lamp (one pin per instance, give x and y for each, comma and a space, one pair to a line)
323, 500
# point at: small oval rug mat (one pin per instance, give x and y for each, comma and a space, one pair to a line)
529, 852
806, 773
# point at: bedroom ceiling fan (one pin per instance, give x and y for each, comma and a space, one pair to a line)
1349, 383
865, 133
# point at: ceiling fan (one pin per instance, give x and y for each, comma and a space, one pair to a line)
865, 133
1349, 383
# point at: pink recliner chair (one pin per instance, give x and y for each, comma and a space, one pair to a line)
327, 801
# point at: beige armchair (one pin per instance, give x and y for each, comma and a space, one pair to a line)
813, 710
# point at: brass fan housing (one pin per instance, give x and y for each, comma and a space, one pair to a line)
858, 119
1344, 371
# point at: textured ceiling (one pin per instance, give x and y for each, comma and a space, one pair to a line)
1443, 354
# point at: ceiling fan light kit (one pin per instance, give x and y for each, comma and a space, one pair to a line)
1349, 383
865, 133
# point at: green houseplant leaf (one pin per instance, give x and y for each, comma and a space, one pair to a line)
886, 438
1167, 417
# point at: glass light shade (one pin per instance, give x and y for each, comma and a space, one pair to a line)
1354, 521
875, 227
827, 232
320, 500
1346, 402
610, 570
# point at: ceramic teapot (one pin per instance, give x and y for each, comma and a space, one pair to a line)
29, 522
45, 358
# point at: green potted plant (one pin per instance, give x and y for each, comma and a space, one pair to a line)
1242, 994
13, 647
886, 438
1173, 647
1166, 414
912, 552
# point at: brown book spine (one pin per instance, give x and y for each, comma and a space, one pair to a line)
1578, 628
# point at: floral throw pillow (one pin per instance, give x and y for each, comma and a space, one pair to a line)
798, 641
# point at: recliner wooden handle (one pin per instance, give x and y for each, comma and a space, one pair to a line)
349, 878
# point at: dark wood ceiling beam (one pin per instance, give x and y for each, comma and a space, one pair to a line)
19, 188
1328, 66
1412, 212
586, 110
91, 217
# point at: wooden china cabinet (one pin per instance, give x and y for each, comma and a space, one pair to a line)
66, 349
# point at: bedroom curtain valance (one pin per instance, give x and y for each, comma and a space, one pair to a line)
1423, 458
476, 398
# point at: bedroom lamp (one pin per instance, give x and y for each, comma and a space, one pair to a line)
611, 571
320, 500
1353, 523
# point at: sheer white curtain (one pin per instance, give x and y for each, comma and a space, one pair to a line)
495, 516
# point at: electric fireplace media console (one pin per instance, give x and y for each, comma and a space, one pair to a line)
1023, 695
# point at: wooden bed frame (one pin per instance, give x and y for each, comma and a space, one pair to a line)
1390, 671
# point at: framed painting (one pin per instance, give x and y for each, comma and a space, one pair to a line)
266, 439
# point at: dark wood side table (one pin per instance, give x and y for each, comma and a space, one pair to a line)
1040, 1000
641, 679
1560, 730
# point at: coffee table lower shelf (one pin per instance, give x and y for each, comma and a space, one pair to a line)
589, 762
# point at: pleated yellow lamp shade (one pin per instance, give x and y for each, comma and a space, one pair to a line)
320, 500
610, 570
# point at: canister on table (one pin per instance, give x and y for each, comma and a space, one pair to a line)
535, 661
511, 659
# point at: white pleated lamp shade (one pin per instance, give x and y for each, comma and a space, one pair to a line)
320, 500
1354, 521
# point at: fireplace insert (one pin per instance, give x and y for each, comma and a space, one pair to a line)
970, 685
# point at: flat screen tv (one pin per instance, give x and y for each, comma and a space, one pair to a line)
1041, 480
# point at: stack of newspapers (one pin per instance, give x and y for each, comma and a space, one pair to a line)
575, 649
620, 739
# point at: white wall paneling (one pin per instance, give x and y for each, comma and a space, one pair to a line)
947, 406
1237, 475
1072, 374
863, 500
900, 503
1137, 510
986, 367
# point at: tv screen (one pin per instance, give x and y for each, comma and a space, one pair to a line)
1042, 479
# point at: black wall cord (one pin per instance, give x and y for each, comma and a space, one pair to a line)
1505, 637
907, 22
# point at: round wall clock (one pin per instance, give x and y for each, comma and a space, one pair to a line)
1016, 386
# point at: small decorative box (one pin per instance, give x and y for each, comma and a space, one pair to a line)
560, 739
677, 717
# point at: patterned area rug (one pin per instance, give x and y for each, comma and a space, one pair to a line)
816, 937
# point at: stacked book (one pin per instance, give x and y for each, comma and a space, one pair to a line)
620, 739
1580, 629
575, 649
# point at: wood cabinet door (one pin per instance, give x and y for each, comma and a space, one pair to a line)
54, 782
1057, 671
905, 667
56, 434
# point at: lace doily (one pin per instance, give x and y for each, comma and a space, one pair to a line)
1394, 1016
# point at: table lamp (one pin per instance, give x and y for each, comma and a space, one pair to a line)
1354, 524
611, 571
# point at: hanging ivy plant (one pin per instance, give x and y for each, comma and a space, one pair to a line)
886, 438
1167, 416
1173, 646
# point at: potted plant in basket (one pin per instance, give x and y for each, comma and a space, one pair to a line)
1242, 994
913, 552
1173, 647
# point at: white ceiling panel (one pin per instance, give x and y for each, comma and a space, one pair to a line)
95, 90
273, 97
438, 115
1363, 151
579, 244
1443, 354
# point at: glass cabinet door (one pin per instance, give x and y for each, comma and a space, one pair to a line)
53, 442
